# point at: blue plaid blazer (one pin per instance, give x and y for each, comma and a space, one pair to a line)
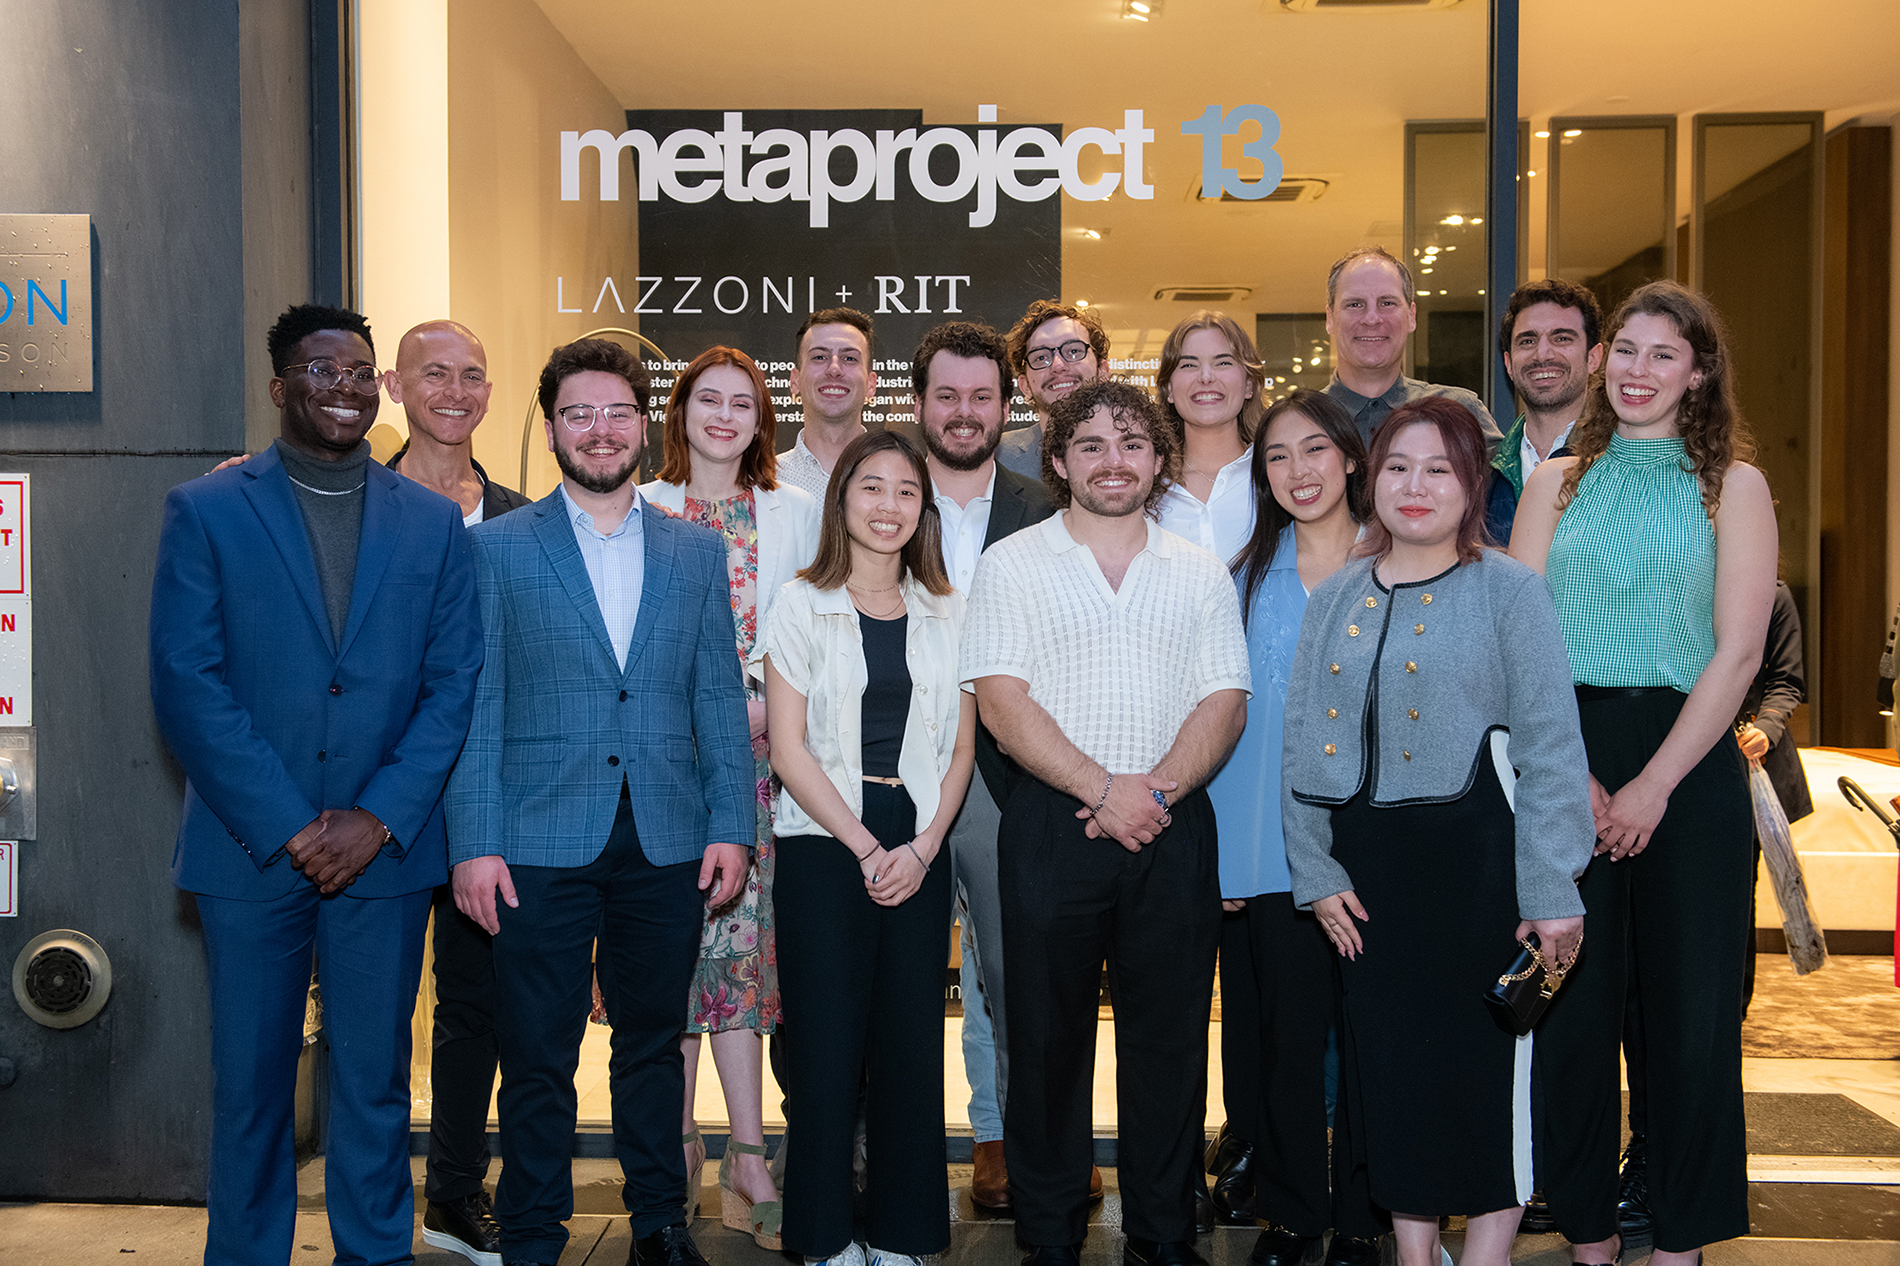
558, 724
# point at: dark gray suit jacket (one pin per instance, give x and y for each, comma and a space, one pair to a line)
496, 500
1018, 503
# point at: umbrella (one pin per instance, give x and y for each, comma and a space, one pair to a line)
1806, 946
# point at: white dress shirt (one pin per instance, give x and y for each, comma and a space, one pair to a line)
617, 566
964, 528
801, 468
1224, 522
1527, 455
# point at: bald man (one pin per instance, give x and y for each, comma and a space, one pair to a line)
441, 382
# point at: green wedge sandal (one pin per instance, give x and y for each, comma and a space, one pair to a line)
760, 1220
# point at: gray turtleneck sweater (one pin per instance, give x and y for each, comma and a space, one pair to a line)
330, 494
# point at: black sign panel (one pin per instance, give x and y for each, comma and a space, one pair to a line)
850, 228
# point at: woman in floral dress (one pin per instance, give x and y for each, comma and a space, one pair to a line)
719, 471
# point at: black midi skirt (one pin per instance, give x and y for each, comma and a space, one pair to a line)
1439, 1093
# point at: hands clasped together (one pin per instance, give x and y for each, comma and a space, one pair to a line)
336, 847
1133, 810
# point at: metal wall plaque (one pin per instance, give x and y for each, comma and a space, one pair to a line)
45, 303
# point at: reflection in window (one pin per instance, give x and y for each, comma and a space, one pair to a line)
1612, 203
1296, 351
1444, 244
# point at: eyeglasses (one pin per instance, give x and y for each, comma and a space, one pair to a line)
581, 417
1043, 357
325, 374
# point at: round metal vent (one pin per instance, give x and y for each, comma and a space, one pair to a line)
62, 978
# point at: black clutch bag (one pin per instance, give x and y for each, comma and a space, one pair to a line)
1519, 997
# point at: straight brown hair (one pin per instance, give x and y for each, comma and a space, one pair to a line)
922, 555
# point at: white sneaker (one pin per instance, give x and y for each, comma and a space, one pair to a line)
851, 1255
880, 1257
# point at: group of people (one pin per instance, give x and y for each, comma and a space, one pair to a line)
1166, 680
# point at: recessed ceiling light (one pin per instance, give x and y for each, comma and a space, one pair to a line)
1141, 10
1573, 131
1081, 303
1530, 173
1094, 235
1541, 135
1454, 219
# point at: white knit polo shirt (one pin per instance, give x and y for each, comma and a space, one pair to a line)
1119, 671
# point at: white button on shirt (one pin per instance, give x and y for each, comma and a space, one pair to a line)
964, 528
616, 565
1221, 525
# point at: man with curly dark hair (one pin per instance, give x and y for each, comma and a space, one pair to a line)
1108, 660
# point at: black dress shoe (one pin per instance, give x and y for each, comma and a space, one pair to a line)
1536, 1219
1353, 1250
1278, 1246
1206, 1216
1233, 1186
1167, 1253
668, 1246
1633, 1221
1053, 1255
1225, 1149
466, 1226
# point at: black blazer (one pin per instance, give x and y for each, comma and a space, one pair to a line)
1778, 689
1017, 504
496, 500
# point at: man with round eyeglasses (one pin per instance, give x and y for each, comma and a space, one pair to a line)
1054, 348
606, 788
315, 643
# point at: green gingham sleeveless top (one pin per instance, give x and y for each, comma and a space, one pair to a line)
1632, 570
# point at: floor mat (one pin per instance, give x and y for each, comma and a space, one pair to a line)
1847, 1010
1816, 1125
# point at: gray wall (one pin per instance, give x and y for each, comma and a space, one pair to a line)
179, 126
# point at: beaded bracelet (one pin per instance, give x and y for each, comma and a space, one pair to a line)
1104, 800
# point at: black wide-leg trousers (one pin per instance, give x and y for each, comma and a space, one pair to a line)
1664, 923
1068, 903
862, 987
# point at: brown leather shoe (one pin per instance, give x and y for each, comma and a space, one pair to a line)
989, 1185
1095, 1182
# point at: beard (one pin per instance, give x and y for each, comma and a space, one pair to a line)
1111, 505
934, 441
1561, 396
598, 482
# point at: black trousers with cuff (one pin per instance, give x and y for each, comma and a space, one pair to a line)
1068, 903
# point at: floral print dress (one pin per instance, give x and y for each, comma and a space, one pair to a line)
735, 985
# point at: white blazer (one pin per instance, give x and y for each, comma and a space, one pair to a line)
788, 532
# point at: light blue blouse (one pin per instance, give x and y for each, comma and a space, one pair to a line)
1246, 791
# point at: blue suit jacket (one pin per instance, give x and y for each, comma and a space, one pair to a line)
272, 717
558, 723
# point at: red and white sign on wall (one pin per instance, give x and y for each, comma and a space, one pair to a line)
16, 601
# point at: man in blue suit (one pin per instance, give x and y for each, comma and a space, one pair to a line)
607, 787
315, 643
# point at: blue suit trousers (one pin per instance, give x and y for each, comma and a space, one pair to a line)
369, 958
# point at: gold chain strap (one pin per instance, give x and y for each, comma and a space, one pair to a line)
1553, 976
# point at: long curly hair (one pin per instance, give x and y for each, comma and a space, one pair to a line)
1714, 434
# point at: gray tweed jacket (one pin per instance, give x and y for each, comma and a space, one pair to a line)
1396, 692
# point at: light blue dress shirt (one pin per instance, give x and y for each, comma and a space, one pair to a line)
1246, 792
617, 567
